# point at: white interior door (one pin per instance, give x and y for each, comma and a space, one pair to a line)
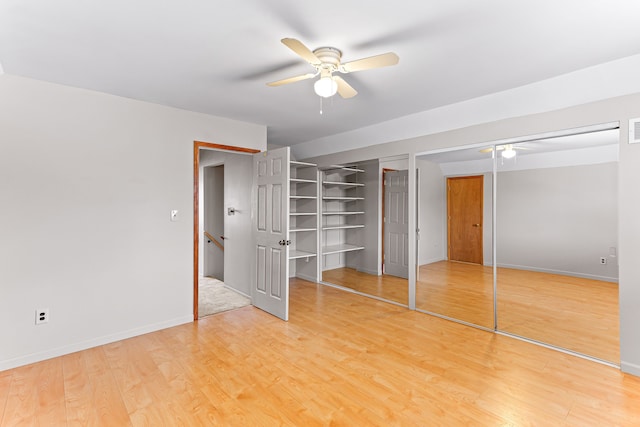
396, 223
270, 222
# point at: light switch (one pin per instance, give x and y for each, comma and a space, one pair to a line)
174, 215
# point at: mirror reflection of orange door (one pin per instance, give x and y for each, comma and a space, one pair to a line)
464, 212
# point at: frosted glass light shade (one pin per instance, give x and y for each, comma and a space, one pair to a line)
509, 153
325, 87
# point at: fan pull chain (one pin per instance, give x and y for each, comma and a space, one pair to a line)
320, 105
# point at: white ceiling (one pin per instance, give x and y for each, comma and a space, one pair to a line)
215, 56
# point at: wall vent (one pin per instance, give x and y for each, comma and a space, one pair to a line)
634, 131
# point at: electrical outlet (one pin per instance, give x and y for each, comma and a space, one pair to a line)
603, 260
42, 316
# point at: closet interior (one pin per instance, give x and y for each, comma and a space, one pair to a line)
336, 226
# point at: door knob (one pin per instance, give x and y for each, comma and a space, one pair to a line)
476, 225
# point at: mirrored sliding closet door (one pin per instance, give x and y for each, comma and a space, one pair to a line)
455, 250
556, 242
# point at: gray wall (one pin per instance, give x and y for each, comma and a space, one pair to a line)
213, 202
433, 210
87, 183
559, 220
554, 219
370, 256
238, 245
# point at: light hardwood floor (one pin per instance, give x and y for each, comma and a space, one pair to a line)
388, 287
578, 314
341, 360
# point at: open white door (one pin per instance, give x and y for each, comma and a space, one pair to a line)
270, 222
396, 225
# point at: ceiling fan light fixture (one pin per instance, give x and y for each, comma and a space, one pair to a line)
508, 153
325, 87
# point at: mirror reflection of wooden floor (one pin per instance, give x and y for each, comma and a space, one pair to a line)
574, 313
387, 287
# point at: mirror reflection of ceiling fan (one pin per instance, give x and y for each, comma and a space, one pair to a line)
326, 61
507, 151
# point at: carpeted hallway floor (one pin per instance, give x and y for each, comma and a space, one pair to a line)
215, 297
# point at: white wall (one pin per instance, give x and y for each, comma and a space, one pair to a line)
609, 110
87, 182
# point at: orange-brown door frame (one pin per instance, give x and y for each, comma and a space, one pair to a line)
197, 145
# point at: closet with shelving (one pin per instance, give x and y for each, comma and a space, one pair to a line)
342, 216
303, 220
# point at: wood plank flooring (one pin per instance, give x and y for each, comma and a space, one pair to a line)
458, 290
342, 360
574, 313
391, 288
578, 314
571, 312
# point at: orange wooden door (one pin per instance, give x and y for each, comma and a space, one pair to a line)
464, 211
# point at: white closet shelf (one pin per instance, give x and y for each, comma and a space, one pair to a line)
341, 170
342, 184
302, 213
343, 213
335, 249
297, 164
297, 253
342, 198
301, 180
295, 230
343, 226
302, 197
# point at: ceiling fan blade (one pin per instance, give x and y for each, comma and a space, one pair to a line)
298, 47
377, 61
344, 89
292, 79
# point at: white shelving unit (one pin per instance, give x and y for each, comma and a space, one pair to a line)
303, 220
342, 219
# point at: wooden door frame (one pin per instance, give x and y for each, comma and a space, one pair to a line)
448, 216
384, 171
197, 145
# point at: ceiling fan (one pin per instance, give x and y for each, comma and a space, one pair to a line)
326, 61
508, 150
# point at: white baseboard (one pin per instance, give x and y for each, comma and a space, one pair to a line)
630, 368
306, 277
561, 272
432, 260
368, 271
95, 342
231, 288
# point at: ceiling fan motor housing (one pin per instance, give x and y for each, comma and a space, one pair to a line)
329, 58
